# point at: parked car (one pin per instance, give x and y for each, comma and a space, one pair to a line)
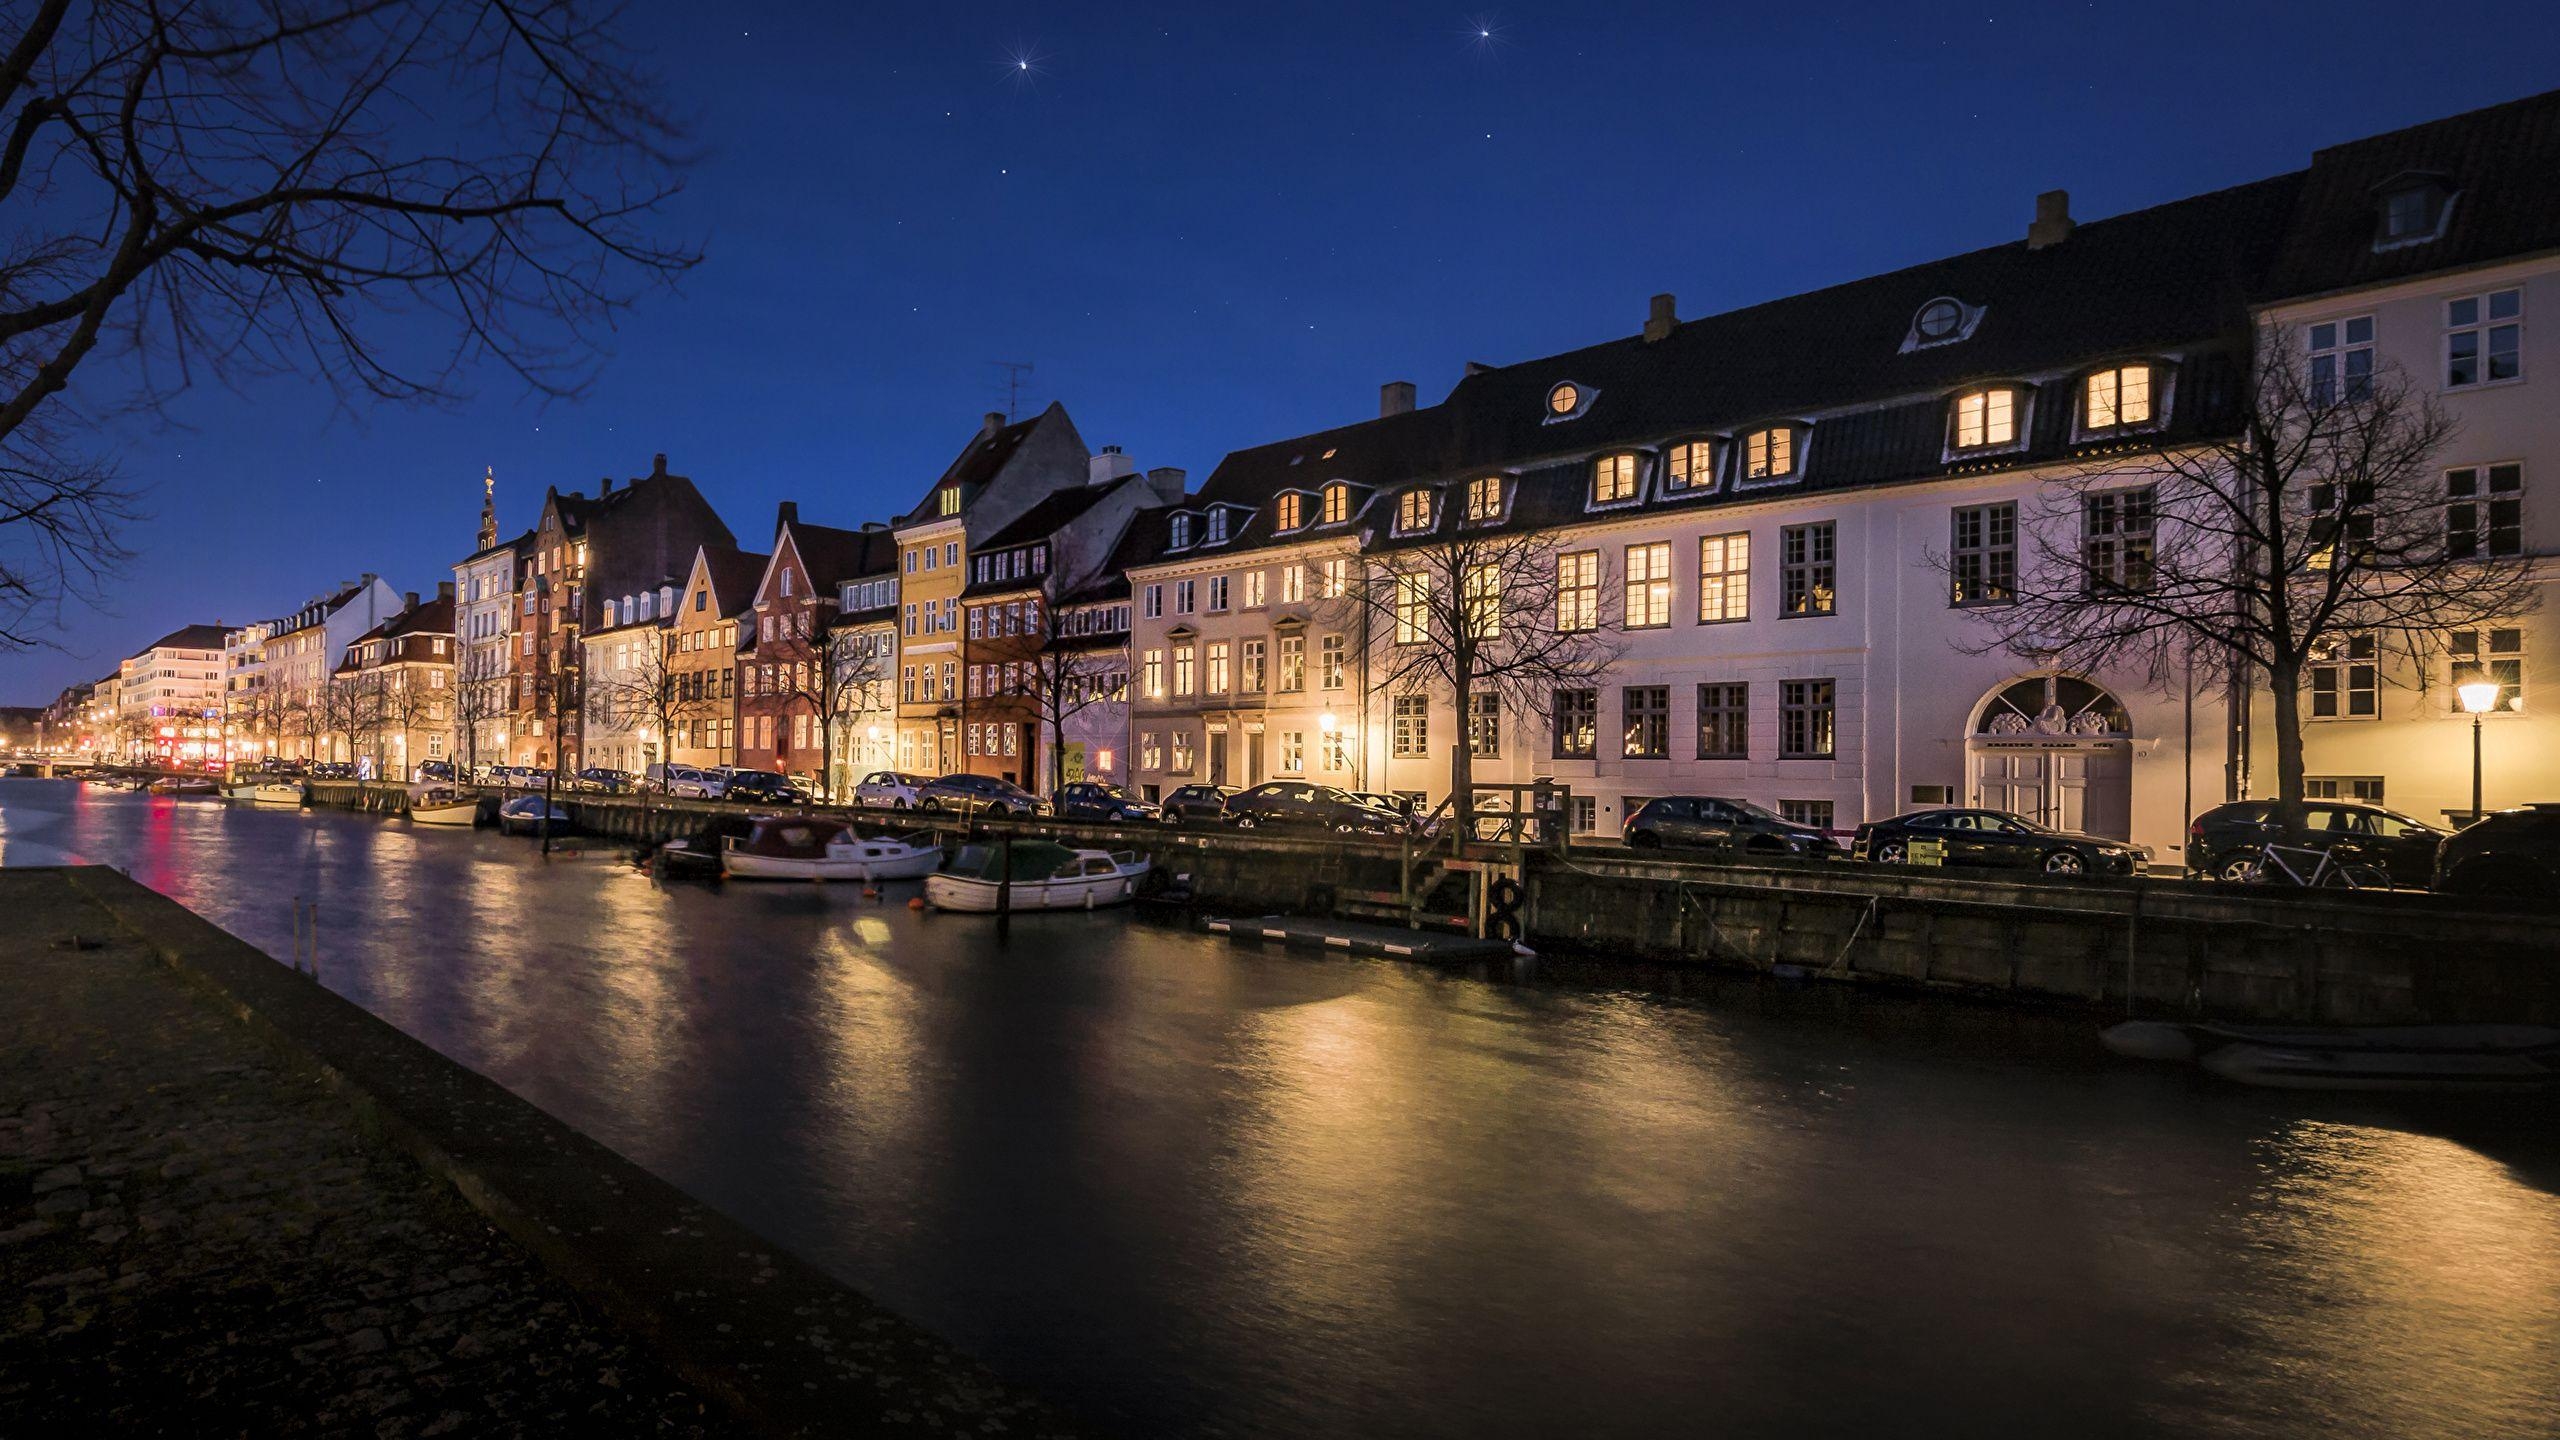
1300, 805
1715, 823
978, 795
2223, 842
1999, 840
1093, 800
1198, 804
2512, 854
763, 785
333, 770
889, 790
606, 781
685, 782
433, 770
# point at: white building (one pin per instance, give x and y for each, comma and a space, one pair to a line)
169, 697
485, 631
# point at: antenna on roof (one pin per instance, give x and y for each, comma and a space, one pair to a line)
1013, 370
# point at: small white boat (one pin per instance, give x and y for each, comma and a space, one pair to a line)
2353, 1057
524, 816
800, 848
1038, 875
238, 789
446, 807
280, 793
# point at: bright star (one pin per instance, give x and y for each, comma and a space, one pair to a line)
1484, 34
1024, 64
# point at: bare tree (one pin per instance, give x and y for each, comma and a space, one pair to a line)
2323, 518
649, 689
481, 689
841, 679
347, 710
1067, 678
1482, 610
407, 704
302, 717
227, 189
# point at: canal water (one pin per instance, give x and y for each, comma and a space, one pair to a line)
1187, 1189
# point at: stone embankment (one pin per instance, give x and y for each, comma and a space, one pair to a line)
232, 1203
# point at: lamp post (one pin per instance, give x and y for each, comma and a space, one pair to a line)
2479, 697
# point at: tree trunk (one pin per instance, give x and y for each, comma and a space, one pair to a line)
2284, 682
1462, 765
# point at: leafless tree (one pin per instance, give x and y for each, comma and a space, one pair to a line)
347, 710
2322, 519
648, 689
228, 189
1482, 610
407, 703
481, 689
1068, 677
304, 718
840, 679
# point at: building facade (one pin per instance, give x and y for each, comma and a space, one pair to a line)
169, 698
398, 684
799, 680
716, 606
486, 609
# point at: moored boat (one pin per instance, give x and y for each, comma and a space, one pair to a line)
278, 793
803, 848
2352, 1057
185, 785
524, 816
1035, 875
444, 806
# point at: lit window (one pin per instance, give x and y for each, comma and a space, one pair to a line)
1563, 400
1185, 658
1986, 417
948, 501
1289, 513
1411, 732
1293, 584
1648, 586
1337, 503
1769, 454
1484, 498
1578, 591
2484, 338
1724, 578
1613, 478
1254, 581
1481, 588
1413, 608
1413, 511
1692, 466
2118, 397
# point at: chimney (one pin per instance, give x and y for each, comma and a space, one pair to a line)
408, 601
1395, 398
1659, 324
604, 487
1478, 367
658, 465
1165, 483
1108, 466
2053, 222
993, 423
444, 590
785, 515
874, 527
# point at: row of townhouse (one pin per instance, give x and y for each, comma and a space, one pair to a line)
1786, 523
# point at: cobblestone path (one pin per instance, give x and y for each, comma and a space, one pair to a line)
195, 1240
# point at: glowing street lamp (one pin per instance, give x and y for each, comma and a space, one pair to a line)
2479, 697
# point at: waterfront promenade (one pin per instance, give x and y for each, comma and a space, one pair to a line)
206, 1228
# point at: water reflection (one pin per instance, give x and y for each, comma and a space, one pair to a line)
1196, 1190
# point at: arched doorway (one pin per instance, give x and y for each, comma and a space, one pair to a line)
2056, 749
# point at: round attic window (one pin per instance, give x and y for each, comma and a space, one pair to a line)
1940, 319
1563, 399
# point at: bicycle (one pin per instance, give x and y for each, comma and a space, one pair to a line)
2326, 872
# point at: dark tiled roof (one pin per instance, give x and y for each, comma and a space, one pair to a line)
734, 573
2500, 162
831, 555
977, 463
1046, 518
187, 637
430, 617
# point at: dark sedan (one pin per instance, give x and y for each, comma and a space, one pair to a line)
608, 782
1994, 839
1198, 804
1709, 822
1093, 800
978, 795
1298, 805
762, 786
2509, 854
2223, 842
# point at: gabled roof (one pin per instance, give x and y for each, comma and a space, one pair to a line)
832, 556
2499, 164
429, 617
977, 463
1048, 517
733, 574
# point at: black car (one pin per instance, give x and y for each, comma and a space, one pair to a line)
1198, 804
604, 781
1093, 800
1996, 839
978, 794
2512, 854
1711, 822
434, 770
2223, 842
760, 785
1300, 805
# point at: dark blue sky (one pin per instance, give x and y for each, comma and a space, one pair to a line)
1213, 226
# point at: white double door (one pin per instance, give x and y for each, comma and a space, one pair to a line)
2084, 788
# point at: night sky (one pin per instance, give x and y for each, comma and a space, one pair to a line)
1215, 226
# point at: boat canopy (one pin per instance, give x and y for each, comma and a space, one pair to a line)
793, 839
1032, 860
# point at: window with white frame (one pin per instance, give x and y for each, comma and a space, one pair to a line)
2115, 539
1337, 750
1179, 533
1217, 661
1648, 586
2116, 398
1151, 673
2488, 652
2366, 789
1288, 512
1337, 503
1217, 593
1150, 750
1690, 465
1578, 591
1724, 578
1151, 602
1410, 727
1336, 578
1293, 584
1484, 725
1250, 657
1185, 660
1613, 479
1293, 664
2484, 511
1982, 554
1480, 594
1330, 655
1769, 454
2343, 679
1185, 596
1293, 752
1181, 748
1413, 607
1807, 570
1217, 526
1484, 497
1413, 512
2483, 338
2340, 354
1986, 419
1253, 588
1806, 719
1646, 713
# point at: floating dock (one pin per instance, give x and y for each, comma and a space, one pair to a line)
1308, 932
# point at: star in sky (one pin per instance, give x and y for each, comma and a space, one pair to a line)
1024, 64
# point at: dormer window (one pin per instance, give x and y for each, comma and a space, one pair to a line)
1413, 512
1181, 534
1691, 466
1769, 454
1942, 321
1217, 527
1564, 400
947, 501
2117, 398
1986, 419
1337, 503
1484, 498
1613, 479
2411, 209
1289, 513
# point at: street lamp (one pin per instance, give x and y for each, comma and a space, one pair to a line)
2479, 697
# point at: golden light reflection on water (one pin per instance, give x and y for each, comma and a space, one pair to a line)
869, 1022
638, 1014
